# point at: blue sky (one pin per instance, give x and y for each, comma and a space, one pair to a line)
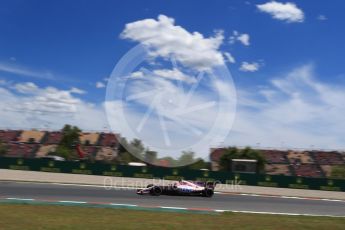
69, 46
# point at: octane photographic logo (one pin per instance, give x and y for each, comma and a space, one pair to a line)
121, 183
169, 107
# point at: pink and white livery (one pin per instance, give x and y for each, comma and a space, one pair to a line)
205, 189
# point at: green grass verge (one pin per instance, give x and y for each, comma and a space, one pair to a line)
25, 216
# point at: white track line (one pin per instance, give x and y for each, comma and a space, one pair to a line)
278, 213
129, 205
72, 202
330, 200
178, 208
23, 199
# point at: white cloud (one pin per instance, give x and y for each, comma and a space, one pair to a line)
137, 74
29, 72
229, 57
24, 71
165, 39
295, 110
174, 74
46, 107
322, 17
27, 87
77, 90
100, 85
288, 12
243, 38
48, 100
249, 67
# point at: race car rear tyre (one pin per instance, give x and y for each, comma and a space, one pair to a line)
208, 193
156, 191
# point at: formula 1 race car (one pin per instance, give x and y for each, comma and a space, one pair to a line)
205, 189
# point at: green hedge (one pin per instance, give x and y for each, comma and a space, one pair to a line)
171, 174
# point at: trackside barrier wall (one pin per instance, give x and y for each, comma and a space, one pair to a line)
97, 168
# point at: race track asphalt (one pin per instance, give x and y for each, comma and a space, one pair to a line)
233, 202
